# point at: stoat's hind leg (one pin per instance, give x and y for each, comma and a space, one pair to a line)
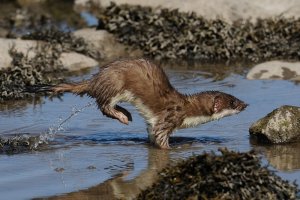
117, 112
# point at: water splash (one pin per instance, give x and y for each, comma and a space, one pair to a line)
53, 130
24, 142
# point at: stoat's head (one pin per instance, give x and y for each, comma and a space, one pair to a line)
226, 105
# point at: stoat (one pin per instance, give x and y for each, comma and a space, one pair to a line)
146, 86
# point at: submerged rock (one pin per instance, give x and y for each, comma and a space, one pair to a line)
282, 125
228, 176
20, 143
275, 70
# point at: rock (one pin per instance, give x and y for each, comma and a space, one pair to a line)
71, 60
170, 34
229, 10
275, 70
3, 32
282, 125
74, 61
23, 46
106, 44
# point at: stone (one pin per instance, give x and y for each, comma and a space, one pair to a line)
106, 44
275, 70
23, 46
75, 61
280, 126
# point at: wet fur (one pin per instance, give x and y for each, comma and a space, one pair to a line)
146, 86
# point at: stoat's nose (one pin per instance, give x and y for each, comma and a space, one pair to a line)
242, 106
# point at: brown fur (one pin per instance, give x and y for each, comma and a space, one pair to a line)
150, 86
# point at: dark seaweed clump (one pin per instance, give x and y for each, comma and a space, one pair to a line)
43, 68
228, 176
171, 34
19, 143
66, 40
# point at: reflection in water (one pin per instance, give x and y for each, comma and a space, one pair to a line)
120, 188
9, 107
282, 157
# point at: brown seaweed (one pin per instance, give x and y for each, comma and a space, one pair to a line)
170, 34
230, 175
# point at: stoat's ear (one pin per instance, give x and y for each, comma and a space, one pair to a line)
217, 105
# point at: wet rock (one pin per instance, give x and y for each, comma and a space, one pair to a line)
65, 40
41, 61
43, 68
20, 143
228, 176
59, 169
282, 125
91, 167
170, 34
275, 70
106, 44
74, 61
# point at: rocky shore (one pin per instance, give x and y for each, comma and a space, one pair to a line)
170, 34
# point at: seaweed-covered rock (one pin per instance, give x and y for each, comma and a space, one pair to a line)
229, 10
66, 40
282, 125
31, 48
32, 62
25, 71
20, 143
228, 176
163, 33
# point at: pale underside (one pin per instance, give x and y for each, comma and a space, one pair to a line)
196, 120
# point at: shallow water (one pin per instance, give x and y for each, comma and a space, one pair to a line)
94, 156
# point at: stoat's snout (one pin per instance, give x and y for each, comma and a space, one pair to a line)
226, 104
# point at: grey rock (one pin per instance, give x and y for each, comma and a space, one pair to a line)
275, 70
106, 44
282, 125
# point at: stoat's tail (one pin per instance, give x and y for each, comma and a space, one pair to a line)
76, 88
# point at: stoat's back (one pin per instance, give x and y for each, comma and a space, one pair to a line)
146, 82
